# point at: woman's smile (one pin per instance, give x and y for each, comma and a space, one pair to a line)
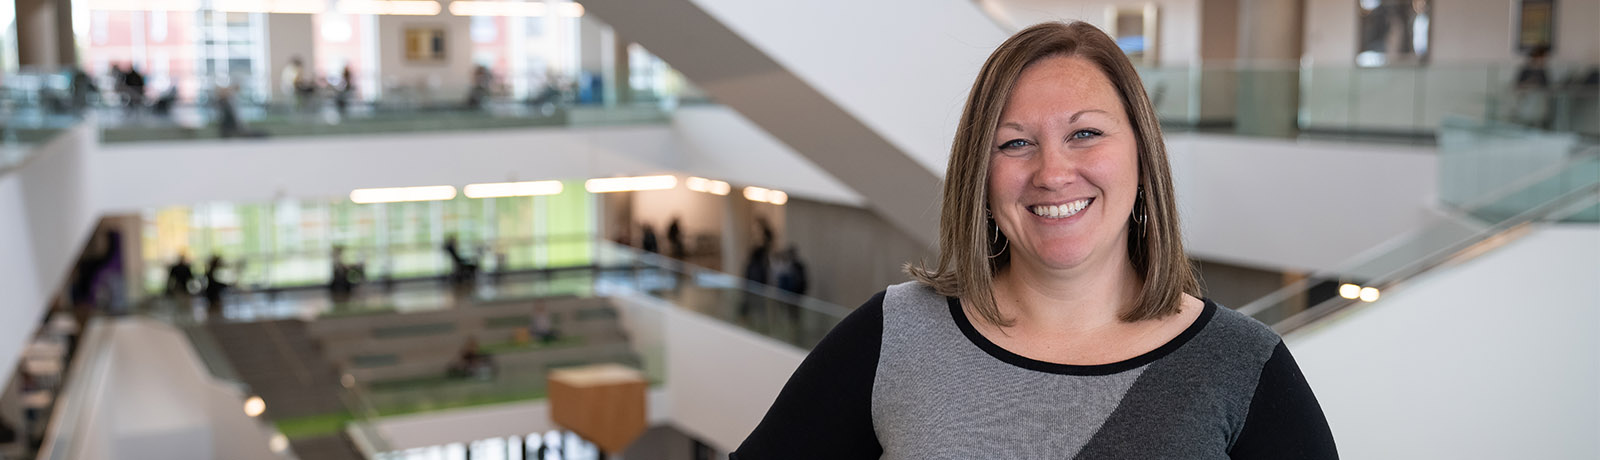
1061, 210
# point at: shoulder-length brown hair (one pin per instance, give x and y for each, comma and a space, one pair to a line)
971, 251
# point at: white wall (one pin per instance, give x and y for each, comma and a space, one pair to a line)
721, 144
333, 166
1495, 358
1303, 206
1576, 39
46, 214
24, 302
709, 141
697, 213
720, 379
904, 78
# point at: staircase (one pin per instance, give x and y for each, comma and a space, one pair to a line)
286, 368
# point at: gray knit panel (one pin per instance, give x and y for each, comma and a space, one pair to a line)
936, 395
1191, 404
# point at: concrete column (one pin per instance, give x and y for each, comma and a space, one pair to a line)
1270, 34
66, 49
620, 71
1218, 90
36, 34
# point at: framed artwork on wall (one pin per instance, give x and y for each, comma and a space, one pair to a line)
1135, 30
1536, 25
425, 45
1393, 32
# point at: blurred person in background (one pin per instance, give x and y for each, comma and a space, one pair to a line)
472, 362
228, 122
675, 247
462, 269
757, 269
648, 242
215, 286
1531, 95
296, 81
165, 102
179, 277
346, 276
83, 90
482, 83
791, 271
343, 89
132, 89
542, 325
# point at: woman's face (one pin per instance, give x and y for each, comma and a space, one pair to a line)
1063, 170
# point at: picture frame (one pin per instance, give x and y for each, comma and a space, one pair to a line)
1136, 31
1536, 25
426, 45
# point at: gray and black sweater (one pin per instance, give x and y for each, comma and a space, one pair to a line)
906, 376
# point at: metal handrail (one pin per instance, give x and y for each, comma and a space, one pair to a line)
88, 372
1277, 296
1506, 227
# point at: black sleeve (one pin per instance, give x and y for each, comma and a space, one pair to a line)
825, 411
1285, 420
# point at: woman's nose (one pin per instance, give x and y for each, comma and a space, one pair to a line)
1055, 168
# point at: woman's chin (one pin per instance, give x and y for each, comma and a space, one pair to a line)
1060, 259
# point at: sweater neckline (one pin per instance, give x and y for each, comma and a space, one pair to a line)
960, 316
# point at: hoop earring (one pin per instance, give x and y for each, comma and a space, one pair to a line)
1141, 215
995, 227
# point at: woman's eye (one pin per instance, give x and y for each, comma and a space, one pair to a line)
1013, 144
1085, 134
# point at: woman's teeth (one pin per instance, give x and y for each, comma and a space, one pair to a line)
1061, 211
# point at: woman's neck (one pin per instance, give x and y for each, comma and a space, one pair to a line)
1074, 300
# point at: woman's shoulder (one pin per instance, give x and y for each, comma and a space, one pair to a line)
912, 294
898, 299
1230, 328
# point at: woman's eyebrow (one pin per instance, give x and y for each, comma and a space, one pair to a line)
1073, 119
1075, 116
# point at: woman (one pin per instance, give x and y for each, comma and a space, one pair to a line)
1063, 318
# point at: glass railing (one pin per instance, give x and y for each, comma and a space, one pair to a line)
761, 308
399, 360
378, 266
33, 106
1479, 159
318, 118
1566, 191
1286, 99
22, 139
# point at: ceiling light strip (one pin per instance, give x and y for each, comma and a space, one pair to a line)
630, 184
390, 7
509, 189
402, 194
